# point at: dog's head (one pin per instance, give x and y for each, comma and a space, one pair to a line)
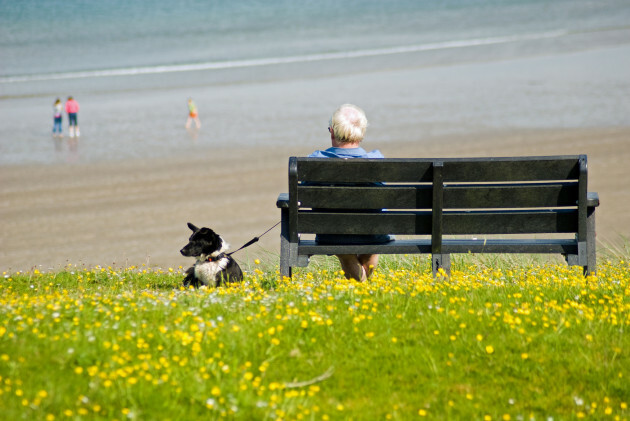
203, 243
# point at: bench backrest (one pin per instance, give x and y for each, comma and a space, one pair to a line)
451, 196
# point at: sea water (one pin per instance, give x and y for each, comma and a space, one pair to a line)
52, 39
131, 64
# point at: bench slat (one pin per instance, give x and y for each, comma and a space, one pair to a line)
544, 195
455, 170
344, 197
511, 170
510, 222
364, 170
412, 223
310, 247
459, 196
454, 222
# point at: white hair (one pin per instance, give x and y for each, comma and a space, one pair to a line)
348, 124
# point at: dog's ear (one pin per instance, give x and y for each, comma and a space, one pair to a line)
192, 227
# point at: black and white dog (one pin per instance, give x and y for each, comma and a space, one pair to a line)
213, 267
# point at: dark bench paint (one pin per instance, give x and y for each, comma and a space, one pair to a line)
434, 198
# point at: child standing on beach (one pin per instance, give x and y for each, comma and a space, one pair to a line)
57, 111
72, 108
192, 114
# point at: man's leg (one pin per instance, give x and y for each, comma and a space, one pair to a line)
351, 266
369, 263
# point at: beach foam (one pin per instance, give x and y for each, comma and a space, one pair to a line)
192, 67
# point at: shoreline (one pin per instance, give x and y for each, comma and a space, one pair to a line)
134, 212
403, 100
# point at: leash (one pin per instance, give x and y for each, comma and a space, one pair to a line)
253, 240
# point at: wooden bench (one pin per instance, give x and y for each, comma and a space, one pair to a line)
440, 206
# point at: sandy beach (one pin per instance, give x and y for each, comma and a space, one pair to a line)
133, 211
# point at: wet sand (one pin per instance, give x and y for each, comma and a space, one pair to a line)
133, 213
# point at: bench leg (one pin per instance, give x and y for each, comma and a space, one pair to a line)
583, 258
285, 245
285, 270
441, 261
587, 250
591, 248
572, 259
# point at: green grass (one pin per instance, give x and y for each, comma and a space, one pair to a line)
500, 339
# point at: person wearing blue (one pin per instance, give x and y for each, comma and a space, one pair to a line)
57, 112
347, 128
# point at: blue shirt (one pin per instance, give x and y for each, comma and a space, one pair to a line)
346, 153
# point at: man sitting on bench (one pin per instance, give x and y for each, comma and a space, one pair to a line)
347, 128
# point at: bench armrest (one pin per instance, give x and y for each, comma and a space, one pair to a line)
283, 200
592, 199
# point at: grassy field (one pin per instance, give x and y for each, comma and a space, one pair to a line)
498, 340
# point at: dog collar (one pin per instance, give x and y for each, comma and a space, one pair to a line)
215, 258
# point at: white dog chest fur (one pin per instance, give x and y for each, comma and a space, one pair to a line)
207, 271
